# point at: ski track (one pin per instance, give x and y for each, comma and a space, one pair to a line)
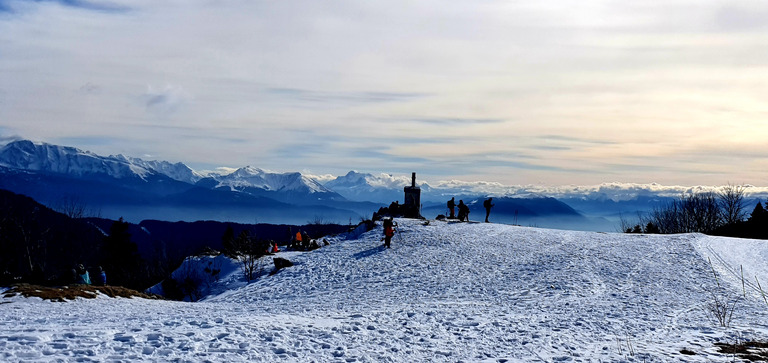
452, 292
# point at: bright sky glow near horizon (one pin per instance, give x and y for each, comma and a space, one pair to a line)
515, 92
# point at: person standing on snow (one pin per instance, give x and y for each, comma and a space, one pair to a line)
389, 231
297, 242
487, 204
451, 207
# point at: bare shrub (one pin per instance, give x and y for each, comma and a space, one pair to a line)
720, 309
692, 212
731, 199
249, 251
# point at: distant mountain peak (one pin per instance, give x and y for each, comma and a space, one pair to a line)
249, 177
177, 171
48, 158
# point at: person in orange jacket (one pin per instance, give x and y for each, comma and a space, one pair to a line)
274, 248
389, 231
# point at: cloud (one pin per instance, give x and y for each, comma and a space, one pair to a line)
7, 139
90, 89
85, 142
165, 100
531, 92
458, 121
324, 99
100, 6
615, 191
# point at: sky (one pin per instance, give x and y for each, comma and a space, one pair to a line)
513, 92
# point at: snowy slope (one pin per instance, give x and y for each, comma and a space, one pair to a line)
445, 292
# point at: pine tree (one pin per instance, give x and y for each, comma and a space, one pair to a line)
651, 228
121, 259
758, 214
757, 224
228, 241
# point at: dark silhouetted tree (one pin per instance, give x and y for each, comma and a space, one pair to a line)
731, 200
758, 214
121, 259
757, 224
651, 228
694, 212
228, 242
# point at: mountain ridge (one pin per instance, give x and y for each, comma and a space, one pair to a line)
49, 172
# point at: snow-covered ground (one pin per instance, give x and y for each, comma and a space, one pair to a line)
453, 292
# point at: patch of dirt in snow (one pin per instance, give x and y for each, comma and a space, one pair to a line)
64, 293
751, 351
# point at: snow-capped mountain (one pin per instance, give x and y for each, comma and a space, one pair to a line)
288, 187
47, 158
47, 172
176, 171
258, 178
380, 188
116, 184
122, 186
67, 161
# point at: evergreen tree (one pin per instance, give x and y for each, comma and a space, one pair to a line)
757, 225
228, 241
651, 228
121, 259
758, 214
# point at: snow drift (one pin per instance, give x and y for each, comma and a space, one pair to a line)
443, 292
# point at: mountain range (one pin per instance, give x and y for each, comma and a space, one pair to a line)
121, 186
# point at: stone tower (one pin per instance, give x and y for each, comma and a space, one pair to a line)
412, 205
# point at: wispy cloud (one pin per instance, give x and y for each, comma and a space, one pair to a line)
458, 121
325, 99
101, 6
166, 99
543, 91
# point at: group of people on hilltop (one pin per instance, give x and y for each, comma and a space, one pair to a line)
464, 209
81, 276
301, 241
463, 215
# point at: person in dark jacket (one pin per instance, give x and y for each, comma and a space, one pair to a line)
488, 205
451, 207
101, 278
463, 211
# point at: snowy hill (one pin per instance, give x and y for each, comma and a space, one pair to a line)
445, 292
